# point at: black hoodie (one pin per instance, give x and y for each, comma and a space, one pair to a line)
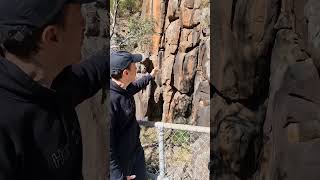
124, 130
40, 137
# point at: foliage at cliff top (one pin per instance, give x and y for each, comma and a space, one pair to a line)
126, 7
140, 31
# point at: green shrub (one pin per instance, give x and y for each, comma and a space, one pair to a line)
181, 138
127, 7
140, 31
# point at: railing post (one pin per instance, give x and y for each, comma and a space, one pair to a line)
161, 150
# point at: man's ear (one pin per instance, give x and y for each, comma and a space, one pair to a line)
50, 35
125, 72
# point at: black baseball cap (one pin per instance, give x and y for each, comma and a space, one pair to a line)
120, 60
32, 13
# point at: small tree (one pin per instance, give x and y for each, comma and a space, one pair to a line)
126, 7
140, 31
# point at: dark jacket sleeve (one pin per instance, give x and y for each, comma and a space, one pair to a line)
7, 158
139, 84
116, 172
81, 81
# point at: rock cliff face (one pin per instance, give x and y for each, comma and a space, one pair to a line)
180, 47
265, 107
92, 114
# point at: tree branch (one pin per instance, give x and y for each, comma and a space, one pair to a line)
114, 16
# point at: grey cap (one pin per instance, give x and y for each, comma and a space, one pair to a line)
120, 60
34, 13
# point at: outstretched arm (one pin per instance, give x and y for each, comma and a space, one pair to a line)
81, 81
141, 83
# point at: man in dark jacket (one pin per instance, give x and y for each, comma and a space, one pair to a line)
40, 136
126, 153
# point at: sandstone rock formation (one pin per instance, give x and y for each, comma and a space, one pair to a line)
266, 61
182, 52
92, 114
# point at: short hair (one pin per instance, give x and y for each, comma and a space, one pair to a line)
24, 42
119, 75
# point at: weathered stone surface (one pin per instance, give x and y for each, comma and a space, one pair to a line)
194, 37
178, 69
185, 68
167, 97
189, 4
187, 16
172, 36
197, 4
246, 40
167, 23
301, 26
163, 8
198, 16
201, 101
312, 13
172, 10
243, 37
142, 100
285, 75
177, 55
156, 40
173, 33
171, 49
289, 64
184, 43
204, 58
275, 64
286, 50
189, 39
146, 8
238, 139
93, 117
167, 69
162, 43
157, 62
179, 107
156, 9
295, 122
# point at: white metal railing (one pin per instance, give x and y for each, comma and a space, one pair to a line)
170, 135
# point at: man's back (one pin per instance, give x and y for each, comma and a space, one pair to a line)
125, 142
126, 153
40, 134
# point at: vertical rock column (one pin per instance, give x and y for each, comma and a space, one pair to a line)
92, 114
181, 50
243, 38
266, 81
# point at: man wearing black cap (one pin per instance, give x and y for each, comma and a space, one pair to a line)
40, 136
126, 153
